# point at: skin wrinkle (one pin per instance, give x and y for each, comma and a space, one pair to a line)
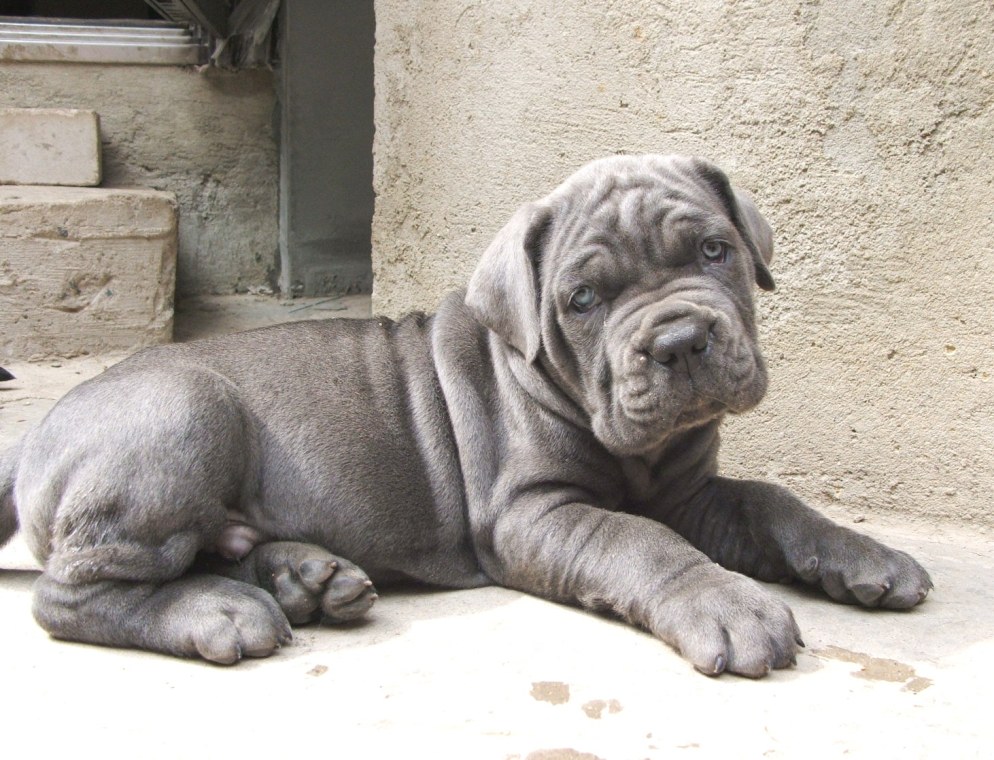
571, 573
649, 328
630, 211
533, 380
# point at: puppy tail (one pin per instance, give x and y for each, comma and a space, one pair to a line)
8, 514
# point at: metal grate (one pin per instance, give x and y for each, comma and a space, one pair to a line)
84, 41
211, 15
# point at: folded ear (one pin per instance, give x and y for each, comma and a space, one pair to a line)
748, 221
504, 291
760, 234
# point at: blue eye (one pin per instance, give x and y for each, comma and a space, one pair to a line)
714, 251
583, 299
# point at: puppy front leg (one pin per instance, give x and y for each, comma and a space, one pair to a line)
648, 575
762, 529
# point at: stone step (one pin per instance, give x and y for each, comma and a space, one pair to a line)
85, 270
49, 146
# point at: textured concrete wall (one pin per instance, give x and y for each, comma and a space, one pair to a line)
864, 129
206, 137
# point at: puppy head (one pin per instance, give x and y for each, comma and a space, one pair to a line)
632, 284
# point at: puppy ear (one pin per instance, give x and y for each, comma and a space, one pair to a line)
748, 221
504, 292
760, 234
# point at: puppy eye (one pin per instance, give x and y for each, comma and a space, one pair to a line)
714, 251
583, 299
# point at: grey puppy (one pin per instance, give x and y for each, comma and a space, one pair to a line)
553, 429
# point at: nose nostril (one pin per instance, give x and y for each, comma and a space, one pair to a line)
685, 340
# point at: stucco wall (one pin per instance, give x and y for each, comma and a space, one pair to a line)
205, 136
864, 129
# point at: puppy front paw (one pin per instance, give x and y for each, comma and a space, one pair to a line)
856, 569
724, 622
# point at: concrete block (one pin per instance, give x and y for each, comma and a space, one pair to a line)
49, 146
85, 270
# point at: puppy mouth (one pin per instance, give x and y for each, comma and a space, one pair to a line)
650, 402
640, 399
667, 402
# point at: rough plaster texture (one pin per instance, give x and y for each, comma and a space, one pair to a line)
49, 146
862, 128
205, 136
85, 270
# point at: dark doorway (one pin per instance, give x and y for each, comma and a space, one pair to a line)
326, 146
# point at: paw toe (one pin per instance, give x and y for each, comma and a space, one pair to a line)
714, 667
314, 572
220, 647
344, 588
295, 599
348, 598
249, 628
906, 596
869, 594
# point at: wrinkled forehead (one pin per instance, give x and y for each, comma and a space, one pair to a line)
628, 199
677, 177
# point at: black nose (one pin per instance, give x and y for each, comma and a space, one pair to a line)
681, 345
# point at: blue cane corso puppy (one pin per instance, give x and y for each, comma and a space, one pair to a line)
553, 429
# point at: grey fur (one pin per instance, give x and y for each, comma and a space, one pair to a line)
192, 497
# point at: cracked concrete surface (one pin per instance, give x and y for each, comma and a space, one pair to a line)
492, 673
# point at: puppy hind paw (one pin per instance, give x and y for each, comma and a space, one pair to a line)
218, 619
240, 632
310, 583
296, 596
349, 595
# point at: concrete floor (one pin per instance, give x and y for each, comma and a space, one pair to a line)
492, 673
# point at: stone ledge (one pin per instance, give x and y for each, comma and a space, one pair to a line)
85, 270
49, 146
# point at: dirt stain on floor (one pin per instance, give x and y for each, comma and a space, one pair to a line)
560, 754
878, 668
553, 692
596, 707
